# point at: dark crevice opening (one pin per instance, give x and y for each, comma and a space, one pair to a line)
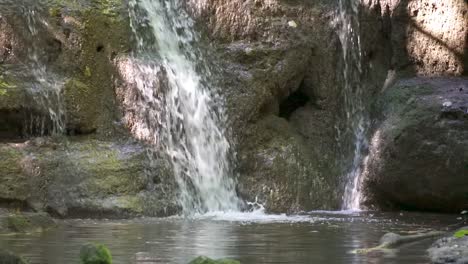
100, 48
19, 125
293, 102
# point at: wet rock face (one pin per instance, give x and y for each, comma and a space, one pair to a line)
283, 84
419, 152
277, 171
75, 42
275, 69
86, 178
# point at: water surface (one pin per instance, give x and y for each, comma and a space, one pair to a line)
321, 237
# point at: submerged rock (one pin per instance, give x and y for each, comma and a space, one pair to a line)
95, 254
451, 249
7, 257
419, 153
391, 240
206, 260
26, 222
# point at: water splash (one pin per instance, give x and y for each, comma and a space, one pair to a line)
356, 117
185, 116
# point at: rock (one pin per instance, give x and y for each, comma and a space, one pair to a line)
76, 45
392, 240
292, 24
26, 222
85, 177
95, 254
276, 170
450, 249
419, 152
7, 257
206, 260
81, 111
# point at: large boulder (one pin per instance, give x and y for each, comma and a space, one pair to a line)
450, 249
419, 153
83, 177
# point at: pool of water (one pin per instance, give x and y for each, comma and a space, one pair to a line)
319, 237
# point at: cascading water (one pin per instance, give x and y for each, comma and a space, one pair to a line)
46, 88
356, 117
184, 117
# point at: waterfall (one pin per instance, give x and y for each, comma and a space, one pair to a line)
184, 115
356, 118
46, 88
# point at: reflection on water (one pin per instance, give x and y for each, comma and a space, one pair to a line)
323, 237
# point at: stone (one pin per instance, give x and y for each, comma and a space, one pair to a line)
26, 222
419, 151
450, 249
81, 111
276, 171
95, 254
206, 260
85, 177
7, 257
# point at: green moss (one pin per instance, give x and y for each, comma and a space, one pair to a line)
18, 223
29, 222
109, 7
95, 254
112, 174
87, 71
461, 233
13, 183
5, 85
131, 203
54, 11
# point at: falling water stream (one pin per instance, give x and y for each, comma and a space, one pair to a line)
190, 128
43, 86
46, 88
356, 118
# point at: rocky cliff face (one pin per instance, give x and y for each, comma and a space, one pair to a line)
285, 93
279, 65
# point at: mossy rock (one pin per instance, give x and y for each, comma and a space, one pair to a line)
95, 254
206, 260
28, 222
81, 107
14, 183
7, 257
12, 97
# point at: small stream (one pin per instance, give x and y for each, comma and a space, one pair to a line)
320, 237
